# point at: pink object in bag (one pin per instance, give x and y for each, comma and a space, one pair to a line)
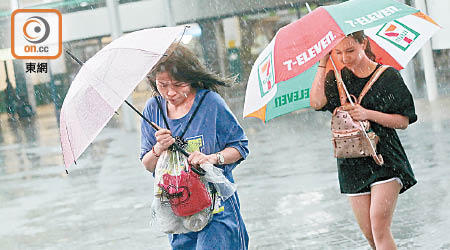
186, 193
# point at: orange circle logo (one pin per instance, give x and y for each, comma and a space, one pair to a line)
36, 29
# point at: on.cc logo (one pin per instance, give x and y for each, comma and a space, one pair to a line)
36, 29
36, 34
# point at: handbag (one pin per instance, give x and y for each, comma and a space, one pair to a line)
351, 138
186, 193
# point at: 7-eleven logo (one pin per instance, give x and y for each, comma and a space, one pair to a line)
265, 75
398, 34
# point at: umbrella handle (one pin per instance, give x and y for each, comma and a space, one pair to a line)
177, 147
341, 81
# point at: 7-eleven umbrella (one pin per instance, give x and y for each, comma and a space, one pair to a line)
281, 77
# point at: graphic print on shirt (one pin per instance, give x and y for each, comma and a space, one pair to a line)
195, 143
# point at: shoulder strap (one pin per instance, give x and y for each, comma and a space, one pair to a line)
372, 80
190, 118
162, 112
193, 114
341, 87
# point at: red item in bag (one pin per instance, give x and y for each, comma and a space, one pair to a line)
186, 193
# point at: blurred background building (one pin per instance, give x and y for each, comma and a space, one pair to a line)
227, 35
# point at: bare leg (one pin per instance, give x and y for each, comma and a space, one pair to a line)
383, 201
361, 208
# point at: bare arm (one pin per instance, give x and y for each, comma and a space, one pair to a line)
149, 160
317, 95
395, 121
163, 141
230, 155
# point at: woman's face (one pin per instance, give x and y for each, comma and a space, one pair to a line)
173, 91
350, 52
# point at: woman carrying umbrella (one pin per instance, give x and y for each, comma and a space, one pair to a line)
185, 88
372, 189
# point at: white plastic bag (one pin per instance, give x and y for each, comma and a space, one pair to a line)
164, 218
162, 215
214, 175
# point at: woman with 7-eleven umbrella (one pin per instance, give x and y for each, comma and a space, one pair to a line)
388, 105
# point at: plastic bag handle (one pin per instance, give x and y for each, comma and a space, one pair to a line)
198, 170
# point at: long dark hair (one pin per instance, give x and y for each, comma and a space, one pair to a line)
182, 65
360, 37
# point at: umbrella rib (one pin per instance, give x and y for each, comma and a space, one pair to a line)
108, 70
146, 51
97, 77
143, 50
103, 79
70, 145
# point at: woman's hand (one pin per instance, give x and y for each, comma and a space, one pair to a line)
197, 158
164, 140
357, 112
395, 121
324, 60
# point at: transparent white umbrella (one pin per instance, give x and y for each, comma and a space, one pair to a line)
105, 81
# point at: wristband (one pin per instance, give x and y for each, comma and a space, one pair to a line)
154, 152
322, 66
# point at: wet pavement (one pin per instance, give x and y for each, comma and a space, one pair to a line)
288, 187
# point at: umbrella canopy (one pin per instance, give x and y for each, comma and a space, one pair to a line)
282, 75
105, 81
